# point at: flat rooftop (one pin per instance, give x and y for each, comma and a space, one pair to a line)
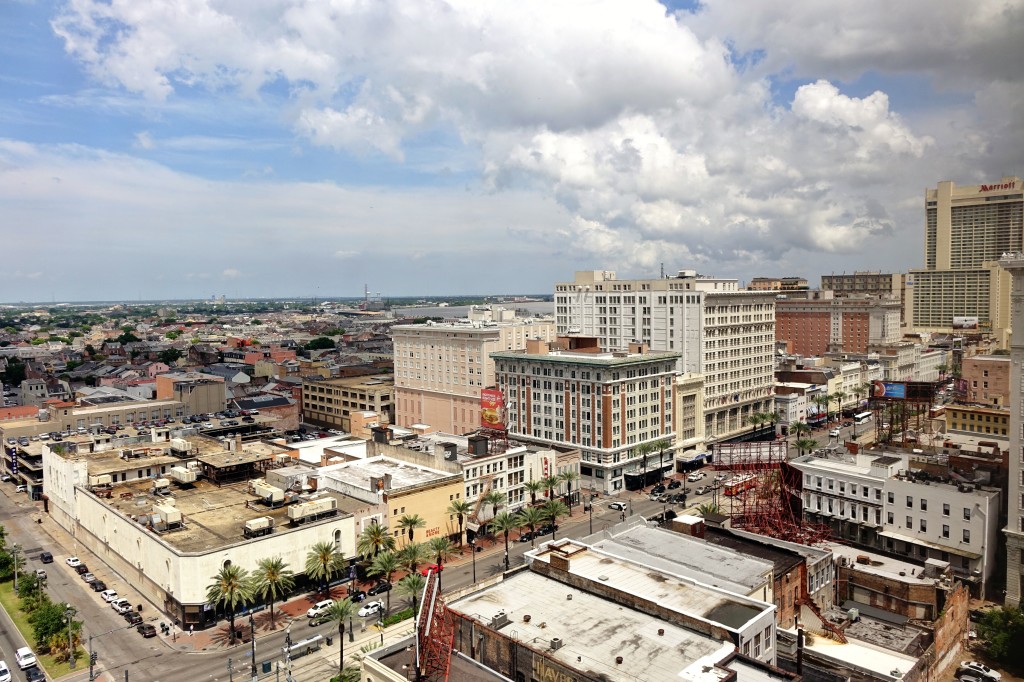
213, 516
690, 557
882, 566
357, 473
593, 630
607, 359
670, 590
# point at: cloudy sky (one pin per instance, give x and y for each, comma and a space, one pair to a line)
184, 148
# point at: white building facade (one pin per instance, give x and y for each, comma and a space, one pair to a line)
720, 331
1014, 264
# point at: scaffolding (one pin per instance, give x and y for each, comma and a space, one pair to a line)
435, 633
761, 492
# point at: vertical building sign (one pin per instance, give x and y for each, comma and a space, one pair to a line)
492, 409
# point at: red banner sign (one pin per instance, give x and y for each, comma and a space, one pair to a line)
492, 409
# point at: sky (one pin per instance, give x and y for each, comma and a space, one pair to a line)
189, 148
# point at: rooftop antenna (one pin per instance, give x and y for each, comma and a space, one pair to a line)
663, 271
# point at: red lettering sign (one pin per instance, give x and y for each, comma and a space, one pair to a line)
431, 532
992, 188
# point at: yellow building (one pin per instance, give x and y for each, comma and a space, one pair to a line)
332, 402
981, 421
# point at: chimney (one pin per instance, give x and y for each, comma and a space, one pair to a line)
477, 445
536, 347
637, 348
380, 434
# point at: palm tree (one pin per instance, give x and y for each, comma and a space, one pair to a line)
822, 401
385, 564
533, 487
231, 587
643, 450
340, 612
531, 517
799, 429
410, 522
374, 539
461, 509
755, 419
804, 445
661, 445
568, 477
322, 562
441, 548
552, 510
549, 484
505, 523
272, 579
839, 397
708, 508
412, 555
496, 499
412, 586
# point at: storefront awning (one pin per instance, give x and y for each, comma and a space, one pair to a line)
933, 545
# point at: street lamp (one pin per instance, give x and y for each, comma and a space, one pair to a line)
252, 636
69, 616
15, 549
591, 513
472, 547
380, 626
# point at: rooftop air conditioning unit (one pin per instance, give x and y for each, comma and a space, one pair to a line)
499, 620
556, 643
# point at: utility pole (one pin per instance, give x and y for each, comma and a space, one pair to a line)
252, 636
472, 547
69, 616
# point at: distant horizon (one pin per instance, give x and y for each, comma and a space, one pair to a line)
439, 298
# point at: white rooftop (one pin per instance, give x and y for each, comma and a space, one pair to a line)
357, 473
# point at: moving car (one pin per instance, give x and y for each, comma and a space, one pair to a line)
696, 476
34, 674
436, 568
41, 574
73, 561
146, 629
980, 669
319, 608
703, 489
379, 588
5, 672
25, 657
357, 595
834, 433
371, 608
46, 558
617, 506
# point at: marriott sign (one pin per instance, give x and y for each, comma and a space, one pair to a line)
992, 188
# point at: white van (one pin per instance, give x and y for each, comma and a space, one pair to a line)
319, 608
834, 433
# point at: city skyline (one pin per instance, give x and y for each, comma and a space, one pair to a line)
167, 151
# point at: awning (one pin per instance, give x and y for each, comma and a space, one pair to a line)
475, 527
933, 545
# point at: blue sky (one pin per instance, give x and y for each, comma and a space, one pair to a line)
170, 149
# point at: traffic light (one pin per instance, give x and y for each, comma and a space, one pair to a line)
92, 658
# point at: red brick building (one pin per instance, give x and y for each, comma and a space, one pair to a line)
814, 322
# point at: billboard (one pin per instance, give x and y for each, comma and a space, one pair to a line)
492, 409
965, 323
893, 390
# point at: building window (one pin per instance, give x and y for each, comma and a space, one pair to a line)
967, 536
910, 522
924, 504
945, 531
945, 508
924, 526
892, 498
910, 502
967, 513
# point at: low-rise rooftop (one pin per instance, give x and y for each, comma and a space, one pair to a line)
357, 473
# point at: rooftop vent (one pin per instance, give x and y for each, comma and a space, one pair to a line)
499, 620
556, 643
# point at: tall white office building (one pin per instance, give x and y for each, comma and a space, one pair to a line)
722, 332
1014, 264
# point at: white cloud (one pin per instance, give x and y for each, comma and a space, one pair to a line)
231, 273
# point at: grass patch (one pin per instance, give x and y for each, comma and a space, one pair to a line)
398, 617
12, 604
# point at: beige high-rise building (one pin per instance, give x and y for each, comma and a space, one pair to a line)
967, 230
723, 332
1014, 264
441, 368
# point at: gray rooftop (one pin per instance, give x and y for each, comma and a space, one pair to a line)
593, 631
357, 473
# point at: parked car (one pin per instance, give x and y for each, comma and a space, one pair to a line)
696, 476
319, 608
41, 575
371, 608
46, 558
146, 629
21, 489
5, 672
658, 489
379, 588
357, 596
436, 568
121, 606
980, 669
88, 577
617, 506
525, 536
132, 617
546, 529
108, 595
73, 561
98, 586
81, 569
25, 657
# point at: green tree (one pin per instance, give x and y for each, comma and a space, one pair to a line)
799, 429
374, 539
340, 612
50, 629
127, 337
569, 477
410, 522
412, 555
530, 517
385, 564
533, 487
272, 579
460, 509
323, 561
839, 397
320, 343
755, 419
1002, 629
708, 508
411, 586
661, 445
505, 523
169, 356
231, 588
822, 401
643, 450
495, 500
805, 445
553, 509
550, 483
